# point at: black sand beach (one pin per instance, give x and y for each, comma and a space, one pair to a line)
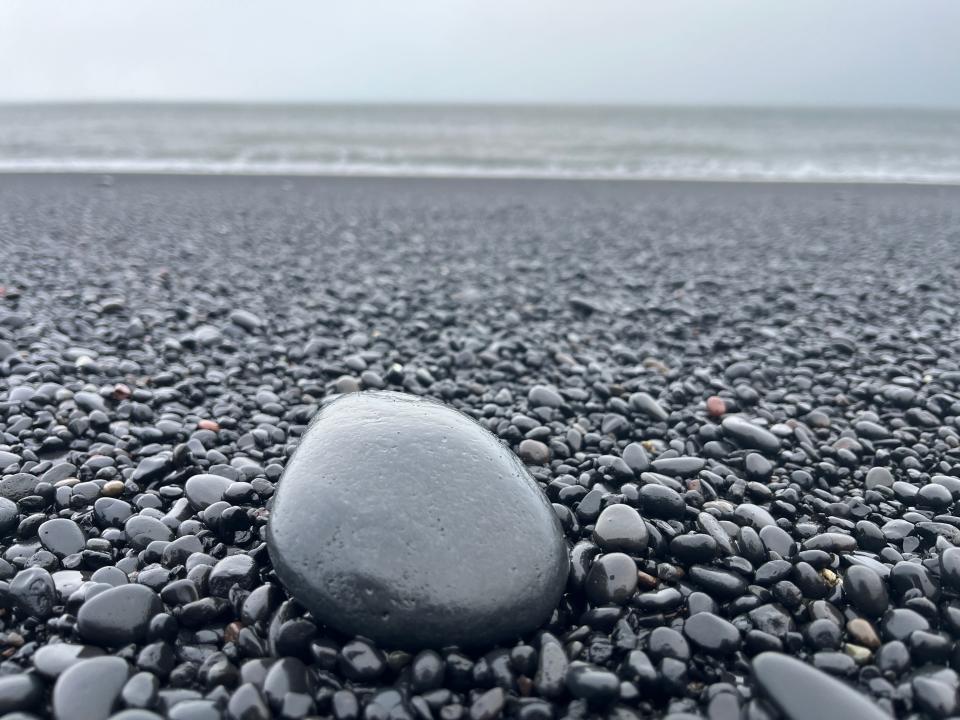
153, 328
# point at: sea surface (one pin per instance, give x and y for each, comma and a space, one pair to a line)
848, 145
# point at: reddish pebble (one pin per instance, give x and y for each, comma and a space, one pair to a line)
716, 407
208, 425
121, 391
232, 632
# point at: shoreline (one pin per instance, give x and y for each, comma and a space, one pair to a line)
483, 178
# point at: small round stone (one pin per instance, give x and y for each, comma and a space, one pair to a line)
112, 488
404, 521
866, 591
534, 452
878, 476
234, 570
61, 536
591, 683
661, 502
118, 616
620, 527
712, 633
205, 489
715, 406
612, 579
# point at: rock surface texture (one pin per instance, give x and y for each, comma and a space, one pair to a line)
741, 402
405, 521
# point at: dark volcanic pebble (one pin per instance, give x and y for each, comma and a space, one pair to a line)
866, 591
591, 683
612, 579
712, 633
90, 690
118, 615
8, 516
802, 692
375, 527
205, 489
51, 660
20, 693
233, 571
749, 435
777, 443
34, 592
620, 527
61, 536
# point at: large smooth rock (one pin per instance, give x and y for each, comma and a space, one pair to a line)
89, 690
802, 692
402, 520
118, 616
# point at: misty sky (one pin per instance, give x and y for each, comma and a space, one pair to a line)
780, 52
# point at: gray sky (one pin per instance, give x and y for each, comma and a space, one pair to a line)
781, 52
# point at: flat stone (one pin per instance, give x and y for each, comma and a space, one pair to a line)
749, 435
90, 690
644, 403
9, 516
17, 486
51, 660
7, 459
246, 319
204, 490
61, 536
141, 530
591, 683
878, 476
404, 521
802, 692
542, 396
712, 633
118, 616
19, 693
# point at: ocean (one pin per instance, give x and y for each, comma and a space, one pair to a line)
746, 144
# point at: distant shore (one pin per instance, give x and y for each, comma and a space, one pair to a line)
875, 145
107, 178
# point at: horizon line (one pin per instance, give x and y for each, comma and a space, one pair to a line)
194, 102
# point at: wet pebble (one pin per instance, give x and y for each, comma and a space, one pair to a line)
802, 692
518, 563
118, 615
620, 528
90, 689
612, 579
712, 633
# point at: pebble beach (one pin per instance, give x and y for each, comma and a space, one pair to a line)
740, 401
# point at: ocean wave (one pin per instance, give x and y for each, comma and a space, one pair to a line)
191, 166
800, 145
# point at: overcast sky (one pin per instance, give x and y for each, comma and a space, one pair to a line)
780, 52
